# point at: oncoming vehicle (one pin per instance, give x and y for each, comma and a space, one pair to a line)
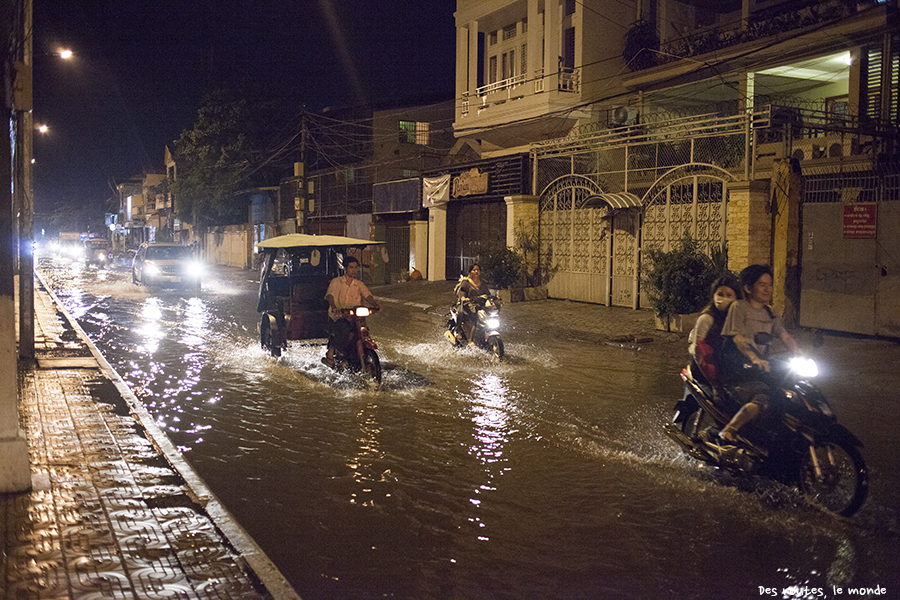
97, 251
296, 271
166, 265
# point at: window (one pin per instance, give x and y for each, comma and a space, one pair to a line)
524, 25
570, 7
413, 132
492, 70
411, 173
509, 32
524, 70
493, 38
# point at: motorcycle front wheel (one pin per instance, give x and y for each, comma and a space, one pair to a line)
495, 345
371, 365
843, 484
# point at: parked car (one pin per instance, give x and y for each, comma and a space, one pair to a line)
166, 265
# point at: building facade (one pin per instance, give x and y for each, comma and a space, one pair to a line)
763, 124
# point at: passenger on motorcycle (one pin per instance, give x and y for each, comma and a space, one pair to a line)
470, 287
745, 319
706, 337
345, 291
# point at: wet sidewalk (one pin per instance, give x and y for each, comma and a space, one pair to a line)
114, 511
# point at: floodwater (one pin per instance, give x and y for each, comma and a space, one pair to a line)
544, 476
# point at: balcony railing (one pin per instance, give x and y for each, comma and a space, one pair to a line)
506, 85
493, 93
760, 25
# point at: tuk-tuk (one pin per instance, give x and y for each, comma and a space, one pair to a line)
295, 273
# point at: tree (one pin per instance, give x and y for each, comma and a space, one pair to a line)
232, 146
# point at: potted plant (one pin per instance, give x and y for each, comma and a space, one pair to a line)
677, 282
503, 270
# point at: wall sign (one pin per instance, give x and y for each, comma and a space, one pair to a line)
860, 220
470, 183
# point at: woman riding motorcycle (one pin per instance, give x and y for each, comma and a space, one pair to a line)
470, 287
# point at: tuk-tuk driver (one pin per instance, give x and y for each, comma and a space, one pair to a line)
345, 291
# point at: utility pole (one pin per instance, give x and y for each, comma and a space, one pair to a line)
15, 469
300, 173
26, 198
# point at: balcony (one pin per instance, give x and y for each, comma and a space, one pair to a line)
513, 88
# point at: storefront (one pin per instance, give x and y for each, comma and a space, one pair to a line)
468, 210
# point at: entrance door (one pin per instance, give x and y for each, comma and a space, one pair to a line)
624, 258
471, 227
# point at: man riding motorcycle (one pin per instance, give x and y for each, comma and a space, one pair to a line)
745, 321
345, 291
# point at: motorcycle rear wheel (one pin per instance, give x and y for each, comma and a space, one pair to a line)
844, 484
696, 422
372, 365
265, 338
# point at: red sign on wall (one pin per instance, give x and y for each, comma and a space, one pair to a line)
860, 220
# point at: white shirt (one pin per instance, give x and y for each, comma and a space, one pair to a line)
347, 293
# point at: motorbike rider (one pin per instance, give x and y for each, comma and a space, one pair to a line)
345, 291
470, 286
706, 337
745, 319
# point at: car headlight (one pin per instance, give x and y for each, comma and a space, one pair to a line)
362, 311
492, 323
150, 269
803, 367
194, 269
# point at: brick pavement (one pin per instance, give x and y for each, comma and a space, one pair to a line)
114, 511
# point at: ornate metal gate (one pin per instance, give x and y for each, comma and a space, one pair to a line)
593, 246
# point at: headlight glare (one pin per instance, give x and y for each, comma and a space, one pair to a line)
493, 323
362, 311
804, 367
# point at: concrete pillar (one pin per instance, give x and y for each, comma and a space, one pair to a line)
437, 243
786, 189
535, 39
748, 231
521, 214
418, 247
552, 45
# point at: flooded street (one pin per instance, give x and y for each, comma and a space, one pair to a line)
544, 476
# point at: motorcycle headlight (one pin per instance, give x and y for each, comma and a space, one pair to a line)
362, 311
493, 323
151, 269
803, 367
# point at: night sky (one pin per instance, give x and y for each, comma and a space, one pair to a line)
141, 67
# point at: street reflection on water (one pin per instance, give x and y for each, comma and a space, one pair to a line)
546, 475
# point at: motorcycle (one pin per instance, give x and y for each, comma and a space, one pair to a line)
486, 334
804, 446
359, 355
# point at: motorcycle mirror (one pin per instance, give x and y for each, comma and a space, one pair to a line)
819, 339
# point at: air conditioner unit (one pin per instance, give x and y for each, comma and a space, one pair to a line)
621, 115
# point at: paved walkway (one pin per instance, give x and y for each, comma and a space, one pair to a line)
114, 511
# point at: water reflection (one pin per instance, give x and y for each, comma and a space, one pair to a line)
490, 408
368, 454
151, 330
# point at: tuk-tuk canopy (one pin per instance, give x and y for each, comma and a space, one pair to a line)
298, 240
